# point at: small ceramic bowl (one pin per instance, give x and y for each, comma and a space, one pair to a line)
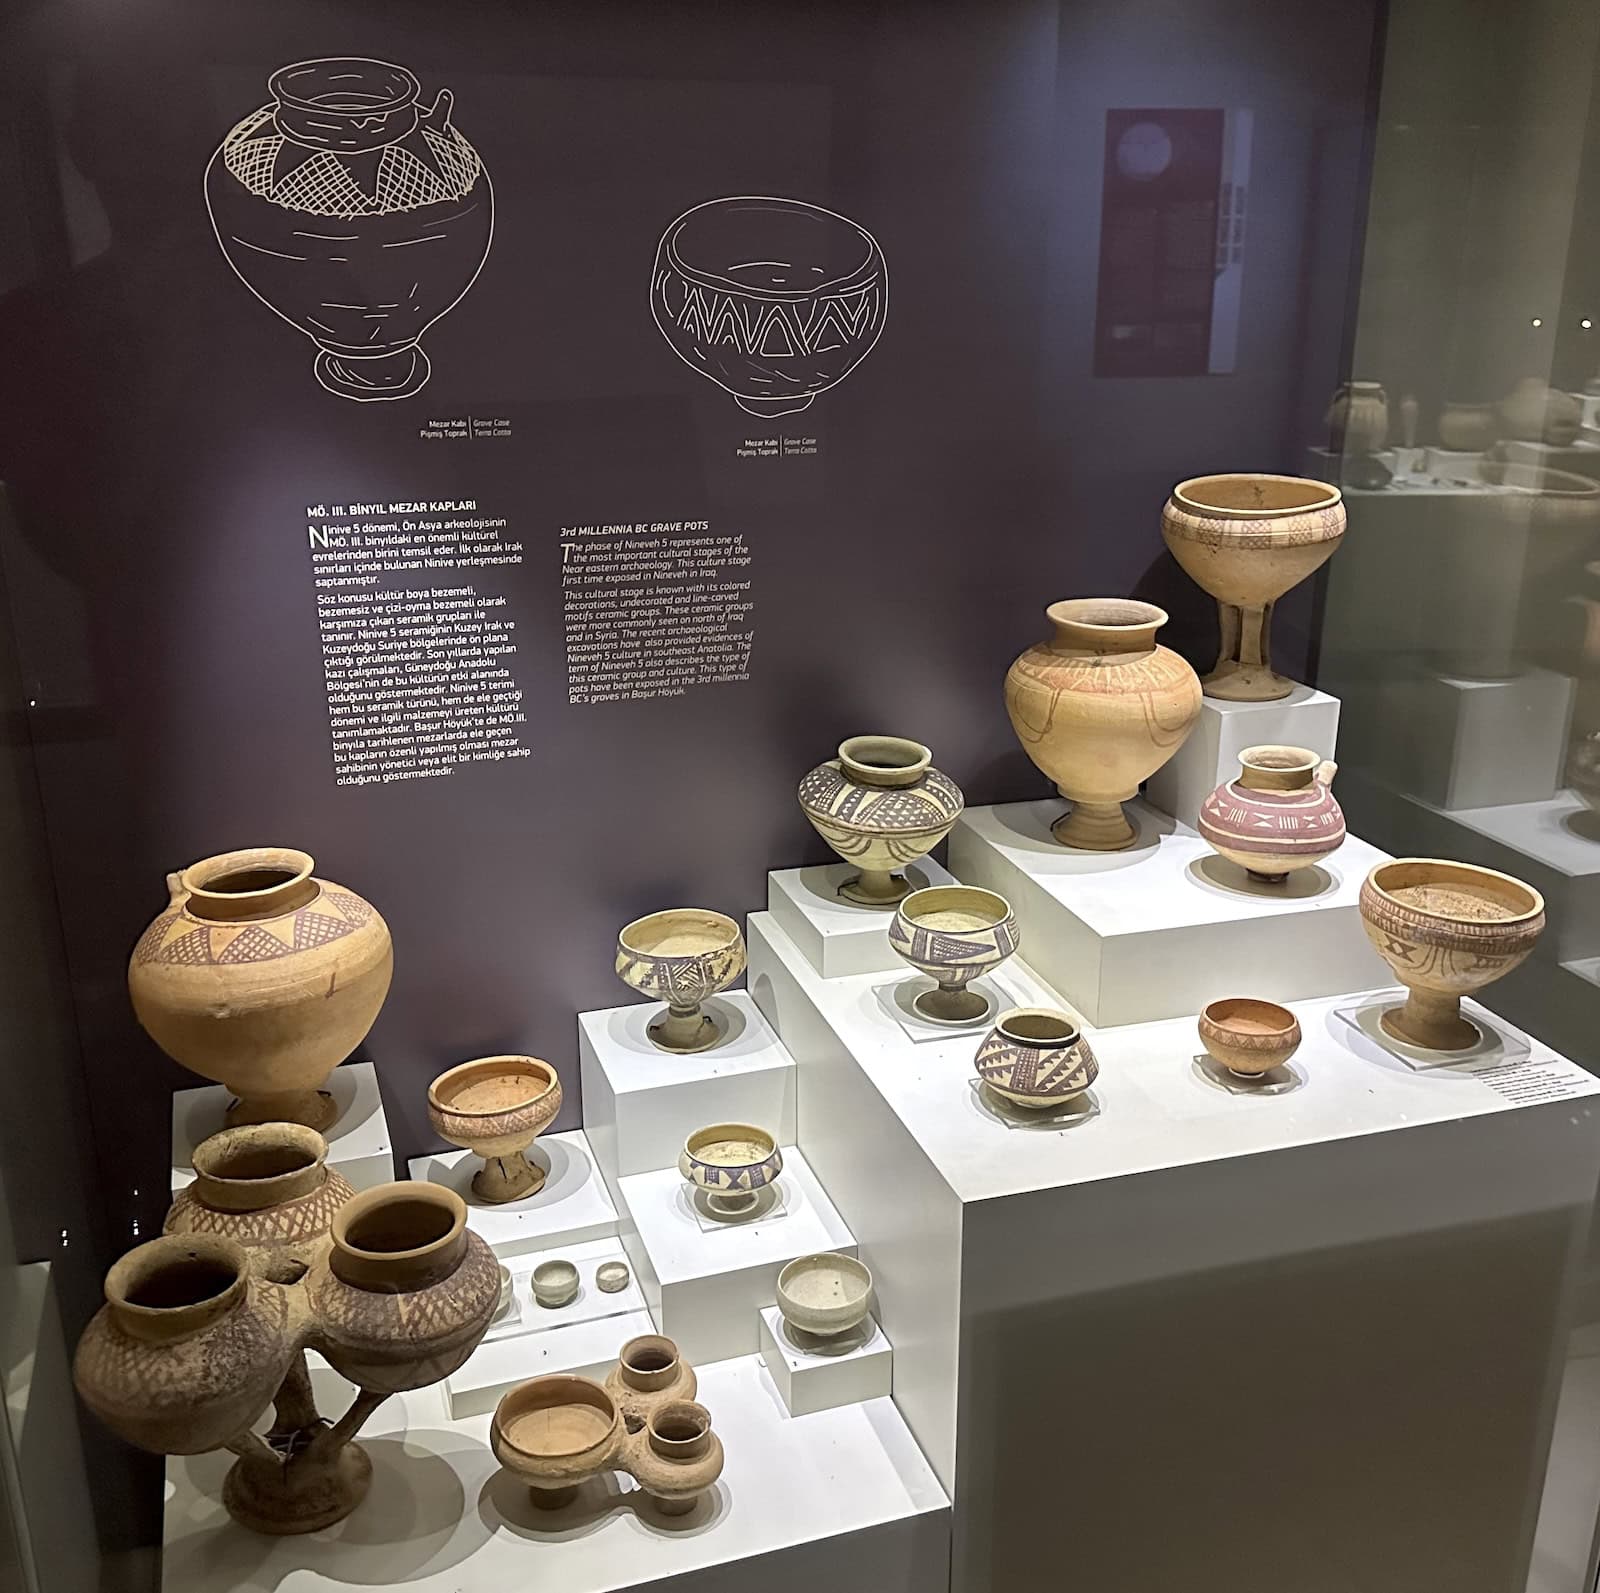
1249, 1037
954, 934
503, 1308
611, 1277
731, 1162
682, 956
555, 1284
1036, 1057
825, 1294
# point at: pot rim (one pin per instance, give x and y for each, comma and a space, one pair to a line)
915, 761
715, 1133
269, 1187
967, 893
1002, 1027
1220, 1013
413, 1191
507, 1067
1290, 760
523, 1399
170, 1250
281, 896
405, 93
1326, 496
1121, 615
1463, 872
628, 934
851, 1266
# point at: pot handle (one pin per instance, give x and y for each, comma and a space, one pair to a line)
437, 116
1326, 770
176, 890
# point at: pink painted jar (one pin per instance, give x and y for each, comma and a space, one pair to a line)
1277, 816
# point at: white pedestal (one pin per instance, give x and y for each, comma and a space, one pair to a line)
1477, 743
843, 1499
572, 1207
358, 1142
583, 1336
839, 936
1163, 928
1202, 1256
1305, 718
812, 1378
705, 1281
640, 1103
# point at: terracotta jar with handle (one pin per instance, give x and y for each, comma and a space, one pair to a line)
1277, 816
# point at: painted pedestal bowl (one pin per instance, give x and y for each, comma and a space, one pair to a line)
880, 805
1277, 816
826, 1295
356, 213
954, 934
496, 1107
1447, 930
772, 299
263, 978
1099, 706
1037, 1057
682, 956
556, 1432
1249, 1037
732, 1163
1247, 539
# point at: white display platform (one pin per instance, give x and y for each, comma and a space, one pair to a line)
705, 1281
1168, 925
572, 1207
821, 1376
358, 1142
582, 1336
1476, 743
1305, 718
640, 1103
839, 936
842, 1499
1203, 1257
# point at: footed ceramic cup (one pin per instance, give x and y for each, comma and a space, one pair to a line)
732, 1163
954, 934
682, 956
495, 1107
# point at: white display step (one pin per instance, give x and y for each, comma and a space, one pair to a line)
358, 1142
573, 1207
1159, 930
640, 1103
1305, 718
705, 1280
839, 936
842, 1498
820, 1376
531, 1339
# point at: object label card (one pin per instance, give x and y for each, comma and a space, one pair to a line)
419, 664
654, 609
1528, 1080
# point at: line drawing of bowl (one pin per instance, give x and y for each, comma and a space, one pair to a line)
775, 300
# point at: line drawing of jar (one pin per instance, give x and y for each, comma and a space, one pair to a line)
774, 300
354, 213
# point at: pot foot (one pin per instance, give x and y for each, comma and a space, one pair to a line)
951, 1006
1430, 1032
1246, 683
503, 1178
674, 1032
1095, 827
774, 406
302, 1496
674, 1507
1266, 879
552, 1498
310, 1108
868, 892
396, 375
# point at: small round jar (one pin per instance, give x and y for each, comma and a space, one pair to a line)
555, 1284
1247, 1036
1037, 1057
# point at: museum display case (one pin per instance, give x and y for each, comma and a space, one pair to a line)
1162, 1030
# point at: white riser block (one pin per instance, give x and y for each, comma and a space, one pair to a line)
358, 1141
572, 1208
1305, 718
640, 1103
705, 1283
1163, 928
838, 936
811, 1380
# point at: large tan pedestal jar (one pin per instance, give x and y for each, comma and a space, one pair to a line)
262, 978
1247, 539
1099, 706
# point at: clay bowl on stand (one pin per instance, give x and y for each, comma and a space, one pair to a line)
880, 805
825, 1295
1037, 1057
1447, 930
496, 1107
731, 1162
1249, 1037
954, 934
1279, 815
682, 956
555, 1432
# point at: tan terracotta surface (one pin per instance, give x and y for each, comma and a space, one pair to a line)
1249, 1036
1247, 539
263, 978
496, 1107
1099, 706
650, 1372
